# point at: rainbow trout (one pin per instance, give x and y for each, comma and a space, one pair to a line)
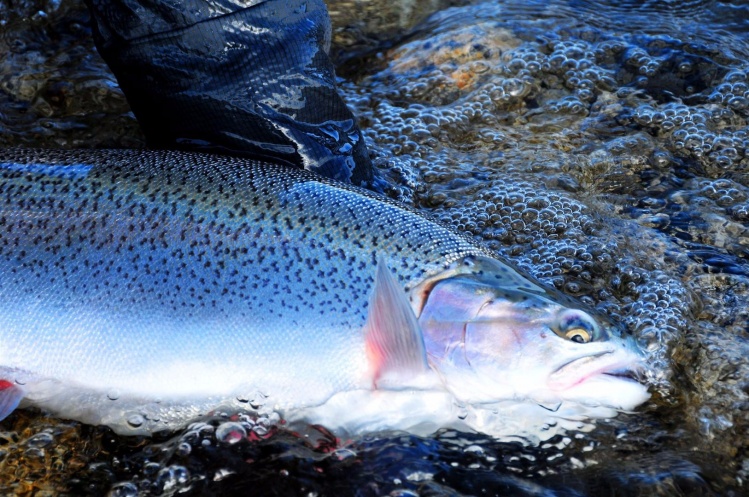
140, 290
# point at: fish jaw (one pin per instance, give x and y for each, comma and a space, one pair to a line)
595, 378
608, 377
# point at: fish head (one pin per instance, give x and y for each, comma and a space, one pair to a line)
492, 334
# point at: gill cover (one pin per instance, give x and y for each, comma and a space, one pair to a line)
480, 288
480, 270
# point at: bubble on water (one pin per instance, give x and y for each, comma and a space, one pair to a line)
151, 468
172, 478
34, 453
136, 420
196, 433
569, 105
123, 489
740, 212
257, 399
153, 412
230, 432
183, 449
262, 428
40, 440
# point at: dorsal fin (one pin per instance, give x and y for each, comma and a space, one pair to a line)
395, 344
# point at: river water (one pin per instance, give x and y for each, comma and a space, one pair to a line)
601, 146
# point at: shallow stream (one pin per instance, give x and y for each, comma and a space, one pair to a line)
601, 146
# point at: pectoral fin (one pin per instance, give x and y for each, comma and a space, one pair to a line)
395, 345
10, 396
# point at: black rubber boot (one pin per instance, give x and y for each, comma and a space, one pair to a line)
249, 78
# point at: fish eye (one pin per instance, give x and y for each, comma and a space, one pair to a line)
576, 326
578, 335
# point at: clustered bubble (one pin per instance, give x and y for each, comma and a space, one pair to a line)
708, 135
38, 456
164, 468
544, 143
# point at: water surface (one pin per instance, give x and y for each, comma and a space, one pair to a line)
601, 146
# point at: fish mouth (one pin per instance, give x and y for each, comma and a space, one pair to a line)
635, 374
607, 364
